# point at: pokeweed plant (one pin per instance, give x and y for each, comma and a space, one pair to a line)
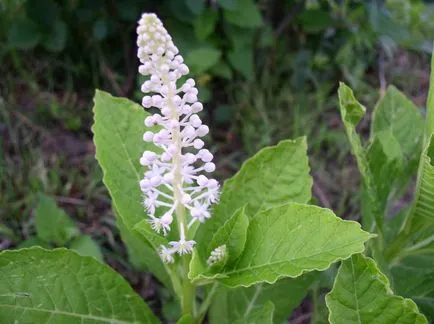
245, 253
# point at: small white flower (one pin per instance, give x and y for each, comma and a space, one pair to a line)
217, 255
199, 212
182, 246
151, 201
155, 224
166, 254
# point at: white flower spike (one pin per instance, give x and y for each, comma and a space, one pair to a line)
173, 181
217, 255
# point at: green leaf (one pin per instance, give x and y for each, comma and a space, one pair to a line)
24, 34
230, 305
201, 59
352, 112
385, 159
59, 286
118, 132
274, 176
245, 14
413, 278
361, 294
386, 164
233, 235
411, 253
419, 224
52, 223
401, 117
241, 60
185, 319
205, 24
86, 246
429, 126
420, 221
280, 244
263, 315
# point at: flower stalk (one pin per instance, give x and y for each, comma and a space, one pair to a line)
176, 183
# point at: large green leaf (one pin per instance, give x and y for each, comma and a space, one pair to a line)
280, 244
274, 176
230, 305
52, 223
118, 132
399, 115
361, 294
59, 286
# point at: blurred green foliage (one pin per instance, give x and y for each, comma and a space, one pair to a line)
224, 38
269, 66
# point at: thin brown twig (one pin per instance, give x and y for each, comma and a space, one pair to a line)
320, 194
72, 201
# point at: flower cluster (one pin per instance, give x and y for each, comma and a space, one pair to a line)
174, 181
217, 255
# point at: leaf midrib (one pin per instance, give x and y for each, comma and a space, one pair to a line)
240, 270
59, 312
355, 292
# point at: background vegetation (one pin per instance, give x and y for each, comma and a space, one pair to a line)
267, 70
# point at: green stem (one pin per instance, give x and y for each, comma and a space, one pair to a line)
188, 290
206, 303
188, 297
